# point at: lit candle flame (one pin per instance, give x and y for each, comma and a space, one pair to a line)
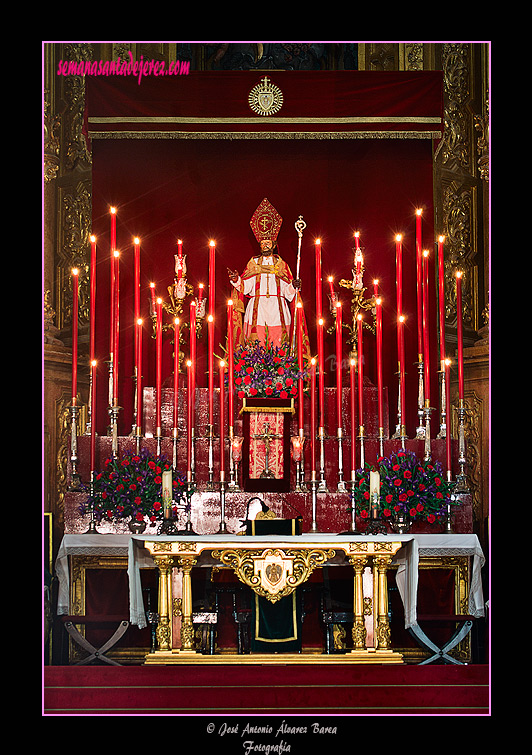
93, 238
136, 240
399, 237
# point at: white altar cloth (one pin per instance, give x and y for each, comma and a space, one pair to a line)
406, 559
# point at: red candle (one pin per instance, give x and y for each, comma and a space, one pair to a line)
376, 287
448, 458
330, 279
210, 329
321, 374
75, 299
353, 416
138, 331
318, 278
180, 255
399, 272
159, 359
426, 359
230, 366
93, 415
176, 372
402, 391
92, 302
299, 327
378, 307
360, 371
117, 327
222, 421
136, 246
419, 288
153, 302
313, 417
339, 364
112, 211
212, 250
358, 255
192, 358
441, 300
460, 335
190, 415
200, 295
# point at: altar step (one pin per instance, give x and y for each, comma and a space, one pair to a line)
260, 690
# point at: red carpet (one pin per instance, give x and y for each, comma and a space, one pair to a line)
267, 690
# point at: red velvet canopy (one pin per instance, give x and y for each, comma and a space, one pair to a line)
185, 157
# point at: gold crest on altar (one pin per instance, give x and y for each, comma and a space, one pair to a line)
265, 98
272, 571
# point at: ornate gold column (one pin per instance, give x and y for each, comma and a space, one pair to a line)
359, 627
164, 628
383, 633
186, 563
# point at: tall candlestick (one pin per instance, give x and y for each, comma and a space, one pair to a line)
460, 335
360, 323
116, 344
190, 415
210, 329
360, 361
212, 250
159, 359
358, 257
313, 417
353, 413
441, 299
75, 299
300, 366
112, 211
230, 368
448, 456
176, 373
318, 279
92, 301
93, 423
402, 388
136, 246
419, 286
222, 421
180, 256
339, 364
378, 308
138, 331
426, 326
399, 272
321, 374
193, 361
153, 298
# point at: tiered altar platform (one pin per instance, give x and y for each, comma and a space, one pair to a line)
333, 508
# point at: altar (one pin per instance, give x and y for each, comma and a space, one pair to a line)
368, 558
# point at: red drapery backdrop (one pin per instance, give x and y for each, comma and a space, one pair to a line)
202, 188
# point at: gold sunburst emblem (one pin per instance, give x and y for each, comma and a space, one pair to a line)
265, 98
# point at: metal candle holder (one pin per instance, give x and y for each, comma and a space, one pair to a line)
75, 479
235, 457
426, 411
420, 430
443, 406
298, 442
210, 483
322, 485
92, 523
461, 479
313, 489
341, 487
223, 526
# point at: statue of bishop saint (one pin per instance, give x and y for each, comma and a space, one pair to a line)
268, 282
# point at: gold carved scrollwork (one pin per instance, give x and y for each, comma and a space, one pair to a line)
273, 573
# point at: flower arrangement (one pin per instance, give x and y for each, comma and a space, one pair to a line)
409, 487
131, 487
266, 371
